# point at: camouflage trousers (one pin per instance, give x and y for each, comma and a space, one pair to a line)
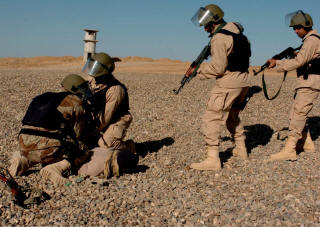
222, 109
41, 145
40, 149
302, 105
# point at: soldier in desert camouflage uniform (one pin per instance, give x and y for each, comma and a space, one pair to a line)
57, 131
114, 116
307, 64
230, 54
52, 127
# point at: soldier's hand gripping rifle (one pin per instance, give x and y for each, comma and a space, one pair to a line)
287, 53
192, 70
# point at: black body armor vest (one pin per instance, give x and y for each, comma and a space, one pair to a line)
239, 58
99, 98
312, 67
42, 111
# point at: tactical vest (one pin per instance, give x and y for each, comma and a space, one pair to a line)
239, 58
43, 112
99, 98
312, 67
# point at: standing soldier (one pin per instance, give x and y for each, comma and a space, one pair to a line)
113, 116
230, 53
307, 64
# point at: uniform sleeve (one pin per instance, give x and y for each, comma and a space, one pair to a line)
305, 55
220, 45
114, 97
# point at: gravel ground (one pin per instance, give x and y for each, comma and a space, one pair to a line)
163, 191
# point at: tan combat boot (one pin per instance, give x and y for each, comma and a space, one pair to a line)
308, 145
54, 172
240, 149
288, 152
19, 164
305, 143
212, 162
111, 166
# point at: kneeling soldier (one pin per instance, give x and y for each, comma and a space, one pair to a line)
52, 127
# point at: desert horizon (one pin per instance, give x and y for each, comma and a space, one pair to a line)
133, 64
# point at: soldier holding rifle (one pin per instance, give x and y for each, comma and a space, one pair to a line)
307, 64
230, 53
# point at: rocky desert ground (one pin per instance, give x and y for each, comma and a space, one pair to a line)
162, 191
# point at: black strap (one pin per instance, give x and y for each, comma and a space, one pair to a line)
315, 35
264, 85
52, 135
265, 91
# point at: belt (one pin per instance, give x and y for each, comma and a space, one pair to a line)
53, 135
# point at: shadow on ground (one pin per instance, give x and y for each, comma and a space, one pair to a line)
256, 135
152, 146
314, 125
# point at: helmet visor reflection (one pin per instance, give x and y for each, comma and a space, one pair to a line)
202, 17
93, 67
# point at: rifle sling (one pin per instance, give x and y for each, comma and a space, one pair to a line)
265, 90
264, 85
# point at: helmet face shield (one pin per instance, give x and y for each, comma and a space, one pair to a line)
298, 18
93, 67
202, 17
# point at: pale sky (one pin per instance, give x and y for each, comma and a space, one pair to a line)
147, 28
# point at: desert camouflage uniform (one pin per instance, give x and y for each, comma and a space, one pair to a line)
42, 145
114, 116
307, 87
109, 162
227, 94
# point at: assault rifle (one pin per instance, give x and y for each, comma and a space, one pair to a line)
192, 70
287, 53
35, 196
14, 187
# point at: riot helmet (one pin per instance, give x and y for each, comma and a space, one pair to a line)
73, 83
99, 64
299, 18
205, 15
